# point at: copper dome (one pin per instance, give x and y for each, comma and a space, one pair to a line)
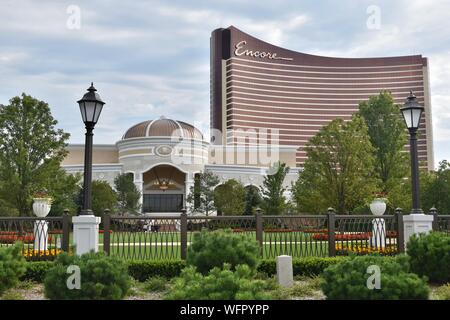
163, 127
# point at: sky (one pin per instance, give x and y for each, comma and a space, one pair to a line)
151, 58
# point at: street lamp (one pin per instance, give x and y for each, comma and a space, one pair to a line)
90, 106
412, 112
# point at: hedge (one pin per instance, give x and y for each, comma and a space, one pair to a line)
142, 270
36, 271
307, 266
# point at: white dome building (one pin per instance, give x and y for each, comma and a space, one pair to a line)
163, 155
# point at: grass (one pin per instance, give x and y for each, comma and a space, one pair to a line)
304, 288
441, 292
156, 284
167, 245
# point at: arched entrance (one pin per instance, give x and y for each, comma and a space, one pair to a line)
163, 189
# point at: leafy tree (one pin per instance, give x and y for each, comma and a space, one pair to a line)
339, 170
435, 187
229, 198
128, 195
252, 199
103, 197
201, 195
64, 188
387, 132
274, 201
31, 149
7, 210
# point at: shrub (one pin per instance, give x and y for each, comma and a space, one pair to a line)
219, 284
142, 270
36, 271
155, 284
101, 277
443, 292
430, 256
213, 249
12, 266
308, 266
348, 280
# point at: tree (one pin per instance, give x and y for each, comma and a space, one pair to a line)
6, 210
387, 132
64, 188
339, 169
435, 187
201, 195
103, 197
31, 149
229, 198
252, 199
274, 201
128, 195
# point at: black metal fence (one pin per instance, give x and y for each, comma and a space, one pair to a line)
41, 238
168, 237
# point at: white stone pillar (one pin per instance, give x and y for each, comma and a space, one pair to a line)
285, 274
40, 235
85, 233
139, 183
415, 224
187, 187
378, 233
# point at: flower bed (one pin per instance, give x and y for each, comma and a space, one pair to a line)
339, 236
30, 253
10, 239
344, 249
103, 231
268, 230
315, 230
351, 236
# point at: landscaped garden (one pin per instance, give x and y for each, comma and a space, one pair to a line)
226, 265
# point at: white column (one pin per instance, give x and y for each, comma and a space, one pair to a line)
415, 224
40, 235
139, 183
285, 274
187, 187
85, 233
378, 233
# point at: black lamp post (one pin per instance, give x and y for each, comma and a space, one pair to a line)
90, 106
412, 112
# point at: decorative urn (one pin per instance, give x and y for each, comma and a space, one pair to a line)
378, 206
41, 205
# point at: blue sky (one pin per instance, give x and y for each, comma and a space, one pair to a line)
151, 58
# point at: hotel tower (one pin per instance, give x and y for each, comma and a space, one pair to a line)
258, 88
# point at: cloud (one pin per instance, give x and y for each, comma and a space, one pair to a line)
151, 58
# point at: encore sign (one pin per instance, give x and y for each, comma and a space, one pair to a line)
256, 54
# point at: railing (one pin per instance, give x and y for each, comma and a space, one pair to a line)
294, 236
168, 237
360, 234
142, 238
41, 238
443, 224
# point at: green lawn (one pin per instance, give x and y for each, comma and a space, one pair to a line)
167, 245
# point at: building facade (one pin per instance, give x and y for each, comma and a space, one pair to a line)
164, 156
261, 89
266, 103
